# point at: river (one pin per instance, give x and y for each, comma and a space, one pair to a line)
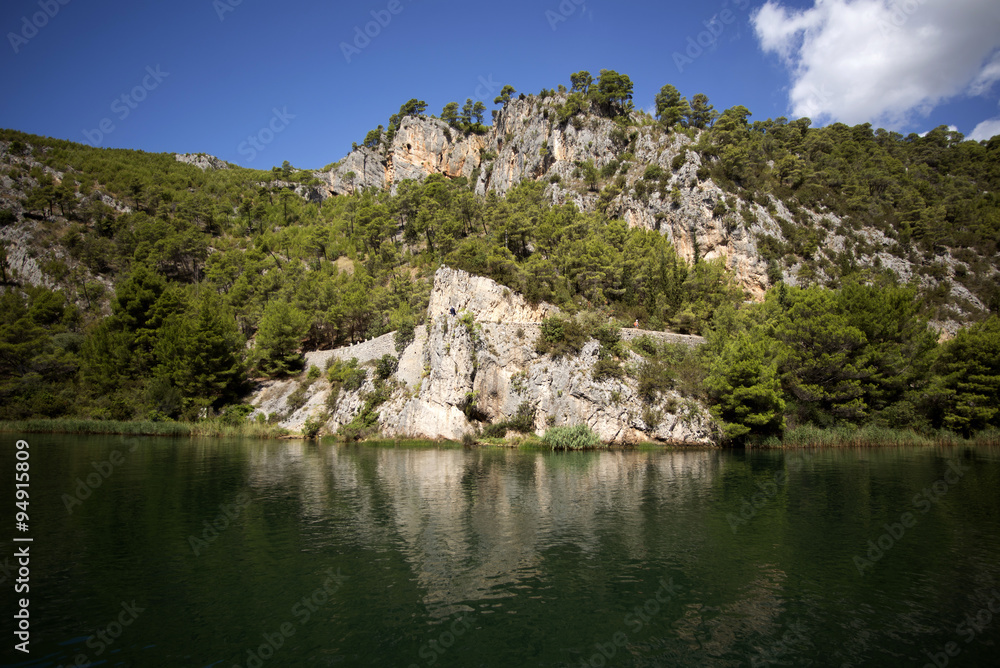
214, 552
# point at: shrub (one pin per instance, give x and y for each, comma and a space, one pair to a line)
645, 345
296, 399
386, 366
610, 337
578, 437
654, 173
347, 374
518, 381
655, 378
333, 398
313, 373
314, 423
522, 421
404, 335
651, 417
365, 423
498, 430
606, 369
467, 320
685, 367
236, 414
560, 336
641, 190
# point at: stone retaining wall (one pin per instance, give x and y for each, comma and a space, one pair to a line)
365, 351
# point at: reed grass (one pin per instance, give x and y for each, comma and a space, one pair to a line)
809, 436
212, 428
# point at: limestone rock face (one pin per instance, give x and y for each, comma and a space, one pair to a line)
482, 363
424, 147
528, 143
485, 299
369, 169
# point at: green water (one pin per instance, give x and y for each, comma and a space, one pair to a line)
384, 556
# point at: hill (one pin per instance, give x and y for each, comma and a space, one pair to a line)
159, 286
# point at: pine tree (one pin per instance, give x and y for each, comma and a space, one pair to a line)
279, 339
450, 114
200, 353
970, 366
671, 108
745, 386
701, 114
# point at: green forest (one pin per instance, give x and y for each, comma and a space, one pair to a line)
215, 278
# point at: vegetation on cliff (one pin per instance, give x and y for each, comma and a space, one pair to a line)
161, 289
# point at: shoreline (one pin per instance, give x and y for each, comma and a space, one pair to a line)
798, 438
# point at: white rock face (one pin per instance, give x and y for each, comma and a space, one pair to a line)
490, 359
485, 299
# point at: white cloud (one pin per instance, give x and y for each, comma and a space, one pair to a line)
986, 130
986, 77
880, 62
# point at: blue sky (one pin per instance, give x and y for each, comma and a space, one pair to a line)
206, 75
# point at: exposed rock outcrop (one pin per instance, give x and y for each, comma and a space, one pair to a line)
202, 161
485, 357
422, 146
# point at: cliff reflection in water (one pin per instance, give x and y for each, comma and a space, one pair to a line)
471, 524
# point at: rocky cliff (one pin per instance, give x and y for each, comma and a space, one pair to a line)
484, 358
527, 142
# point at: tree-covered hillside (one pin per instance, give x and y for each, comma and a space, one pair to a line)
138, 286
